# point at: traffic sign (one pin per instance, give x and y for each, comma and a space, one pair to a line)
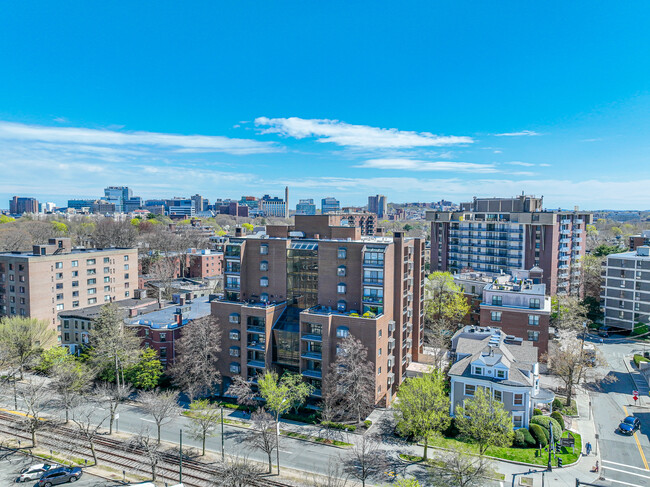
635, 397
635, 393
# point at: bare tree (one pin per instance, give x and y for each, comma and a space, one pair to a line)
438, 339
111, 233
161, 405
350, 382
88, 427
365, 461
35, 396
461, 469
568, 313
334, 476
23, 339
241, 389
263, 435
14, 239
149, 449
204, 419
164, 270
238, 472
112, 395
196, 367
70, 380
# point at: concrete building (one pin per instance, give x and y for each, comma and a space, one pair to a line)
292, 294
19, 205
378, 204
504, 366
625, 294
639, 240
510, 234
330, 205
55, 277
132, 204
180, 207
118, 195
272, 206
306, 207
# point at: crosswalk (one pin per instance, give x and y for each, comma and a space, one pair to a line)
621, 474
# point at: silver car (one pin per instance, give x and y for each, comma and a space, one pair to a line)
35, 472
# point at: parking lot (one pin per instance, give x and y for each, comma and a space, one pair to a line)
11, 463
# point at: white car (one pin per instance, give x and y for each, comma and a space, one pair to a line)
35, 472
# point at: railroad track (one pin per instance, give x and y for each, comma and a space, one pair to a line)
114, 453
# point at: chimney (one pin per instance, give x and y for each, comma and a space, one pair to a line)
286, 201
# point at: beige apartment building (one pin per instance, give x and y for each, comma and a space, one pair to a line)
55, 277
293, 294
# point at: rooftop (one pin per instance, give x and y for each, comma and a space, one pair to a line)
91, 312
641, 252
166, 317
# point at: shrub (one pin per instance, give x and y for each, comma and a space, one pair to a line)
452, 429
528, 438
557, 416
519, 441
557, 404
339, 426
544, 421
537, 432
367, 423
638, 359
537, 412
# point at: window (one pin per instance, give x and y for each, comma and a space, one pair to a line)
533, 336
21, 289
235, 368
75, 273
342, 332
59, 285
234, 318
234, 335
107, 270
518, 399
126, 267
478, 370
107, 260
92, 290
107, 289
107, 298
379, 353
127, 294
341, 271
91, 272
264, 249
342, 253
163, 337
75, 294
58, 265
66, 323
126, 257
264, 265
74, 263
107, 279
341, 288
90, 262
379, 371
517, 420
497, 300
126, 276
234, 351
498, 396
59, 307
264, 281
59, 297
379, 333
341, 305
501, 374
470, 390
495, 315
91, 281
533, 320
75, 304
92, 300
59, 275
264, 297
163, 352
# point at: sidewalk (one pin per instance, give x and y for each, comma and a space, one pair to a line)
639, 382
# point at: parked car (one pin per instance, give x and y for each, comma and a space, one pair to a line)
629, 425
61, 475
34, 472
603, 332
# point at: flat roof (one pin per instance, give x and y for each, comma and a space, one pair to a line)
92, 312
199, 308
31, 254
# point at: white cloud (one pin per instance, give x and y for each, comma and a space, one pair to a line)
497, 152
518, 134
89, 137
356, 136
519, 163
418, 165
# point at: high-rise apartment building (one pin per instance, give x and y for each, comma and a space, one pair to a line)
19, 205
306, 207
510, 234
293, 294
275, 206
378, 204
625, 294
118, 195
330, 205
55, 277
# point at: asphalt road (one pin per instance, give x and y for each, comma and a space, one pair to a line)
11, 463
624, 458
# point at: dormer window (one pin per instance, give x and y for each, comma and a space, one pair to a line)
478, 370
501, 374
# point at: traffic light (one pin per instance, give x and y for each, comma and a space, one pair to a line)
559, 462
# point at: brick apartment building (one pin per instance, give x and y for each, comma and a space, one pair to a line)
639, 240
293, 294
19, 205
510, 234
55, 277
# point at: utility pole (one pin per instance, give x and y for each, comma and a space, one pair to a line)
223, 453
180, 459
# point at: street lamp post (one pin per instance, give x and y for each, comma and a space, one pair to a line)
223, 453
550, 447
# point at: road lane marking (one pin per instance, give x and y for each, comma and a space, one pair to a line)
147, 420
623, 465
638, 444
626, 472
624, 483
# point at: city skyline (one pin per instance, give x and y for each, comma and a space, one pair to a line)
419, 102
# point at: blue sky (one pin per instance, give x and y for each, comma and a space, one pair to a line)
416, 100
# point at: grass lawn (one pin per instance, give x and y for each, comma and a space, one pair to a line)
638, 359
315, 439
524, 455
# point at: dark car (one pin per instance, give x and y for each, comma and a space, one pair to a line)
61, 475
629, 425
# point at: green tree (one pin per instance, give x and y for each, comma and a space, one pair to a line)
604, 250
249, 227
568, 312
6, 219
422, 409
60, 227
444, 299
52, 357
484, 419
22, 340
204, 419
146, 373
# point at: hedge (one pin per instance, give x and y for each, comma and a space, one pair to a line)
339, 426
557, 404
544, 421
557, 416
523, 439
538, 433
537, 412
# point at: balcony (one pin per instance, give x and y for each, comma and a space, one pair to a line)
565, 221
313, 373
260, 347
373, 299
310, 355
310, 337
391, 361
257, 364
317, 393
565, 240
373, 281
255, 329
373, 262
391, 326
391, 343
